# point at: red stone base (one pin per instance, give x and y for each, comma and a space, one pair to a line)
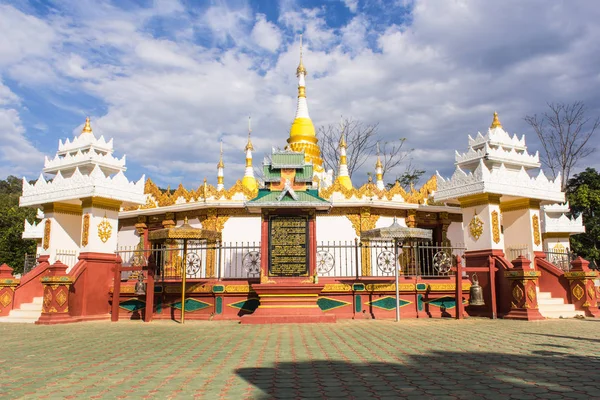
287, 303
593, 312
525, 314
55, 318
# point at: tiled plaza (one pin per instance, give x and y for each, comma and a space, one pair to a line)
442, 359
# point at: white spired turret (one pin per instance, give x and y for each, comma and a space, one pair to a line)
498, 163
379, 171
343, 175
82, 201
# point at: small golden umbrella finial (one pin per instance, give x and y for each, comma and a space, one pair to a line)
300, 69
87, 128
496, 122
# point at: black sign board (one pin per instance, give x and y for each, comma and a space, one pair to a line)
288, 245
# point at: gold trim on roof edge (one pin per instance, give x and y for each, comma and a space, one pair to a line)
158, 198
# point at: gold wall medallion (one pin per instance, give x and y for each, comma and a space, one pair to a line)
476, 227
86, 230
495, 227
536, 230
104, 230
578, 292
47, 226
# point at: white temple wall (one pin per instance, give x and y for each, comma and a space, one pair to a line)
65, 236
485, 241
98, 217
241, 247
557, 244
385, 221
455, 234
241, 230
127, 237
334, 228
518, 232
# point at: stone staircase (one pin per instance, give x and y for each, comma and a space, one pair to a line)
28, 313
552, 307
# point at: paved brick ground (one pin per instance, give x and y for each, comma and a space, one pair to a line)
441, 359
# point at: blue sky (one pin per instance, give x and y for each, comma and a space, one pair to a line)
168, 79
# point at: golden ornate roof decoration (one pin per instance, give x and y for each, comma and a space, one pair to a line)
496, 122
184, 231
87, 128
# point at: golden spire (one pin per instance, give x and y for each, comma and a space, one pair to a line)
249, 144
300, 69
342, 138
378, 164
87, 128
220, 164
496, 122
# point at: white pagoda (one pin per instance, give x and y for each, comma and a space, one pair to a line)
500, 188
82, 201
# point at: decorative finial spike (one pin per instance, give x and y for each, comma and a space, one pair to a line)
185, 220
87, 128
249, 145
300, 69
496, 122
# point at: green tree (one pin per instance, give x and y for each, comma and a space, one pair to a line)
12, 217
583, 193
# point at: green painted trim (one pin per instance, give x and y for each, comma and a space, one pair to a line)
218, 289
420, 304
328, 304
219, 305
357, 303
421, 286
249, 305
132, 305
191, 305
358, 287
388, 303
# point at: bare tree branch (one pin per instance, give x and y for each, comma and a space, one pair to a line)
564, 132
361, 143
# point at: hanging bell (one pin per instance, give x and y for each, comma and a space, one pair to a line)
140, 286
476, 293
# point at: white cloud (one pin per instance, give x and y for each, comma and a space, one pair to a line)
351, 4
168, 101
266, 34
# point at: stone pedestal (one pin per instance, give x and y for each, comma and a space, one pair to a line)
583, 292
523, 284
7, 289
55, 309
287, 303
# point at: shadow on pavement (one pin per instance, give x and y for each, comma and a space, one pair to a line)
435, 375
565, 337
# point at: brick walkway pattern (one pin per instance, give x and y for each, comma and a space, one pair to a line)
420, 359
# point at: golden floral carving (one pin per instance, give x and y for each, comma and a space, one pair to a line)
536, 230
495, 227
5, 299
591, 292
578, 291
47, 226
237, 288
47, 298
337, 287
476, 227
61, 298
86, 230
531, 293
104, 230
517, 293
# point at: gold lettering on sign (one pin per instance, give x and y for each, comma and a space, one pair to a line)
288, 246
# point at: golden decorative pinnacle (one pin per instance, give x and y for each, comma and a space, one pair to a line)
343, 141
220, 164
300, 69
496, 122
87, 128
249, 144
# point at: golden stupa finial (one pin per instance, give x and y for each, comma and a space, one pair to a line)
249, 144
220, 164
300, 69
185, 220
87, 128
342, 136
378, 164
496, 122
